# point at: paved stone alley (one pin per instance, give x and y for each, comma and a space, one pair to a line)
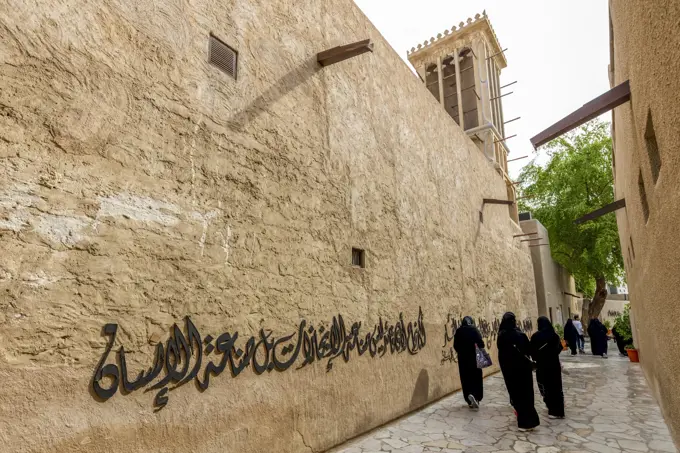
609, 409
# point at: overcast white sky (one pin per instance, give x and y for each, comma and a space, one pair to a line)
558, 52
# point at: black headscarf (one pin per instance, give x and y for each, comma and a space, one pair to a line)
467, 321
545, 324
509, 322
545, 344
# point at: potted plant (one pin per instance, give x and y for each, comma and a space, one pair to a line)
608, 324
624, 329
559, 330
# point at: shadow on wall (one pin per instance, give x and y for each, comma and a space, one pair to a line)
282, 87
420, 392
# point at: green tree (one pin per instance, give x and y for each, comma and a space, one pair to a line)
576, 180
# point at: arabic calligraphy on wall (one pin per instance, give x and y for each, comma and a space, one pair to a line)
488, 330
262, 352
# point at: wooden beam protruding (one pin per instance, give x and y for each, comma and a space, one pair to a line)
529, 240
611, 207
495, 201
522, 235
601, 104
341, 53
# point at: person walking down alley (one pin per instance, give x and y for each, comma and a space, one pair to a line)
466, 340
545, 350
571, 335
598, 337
620, 342
516, 366
580, 340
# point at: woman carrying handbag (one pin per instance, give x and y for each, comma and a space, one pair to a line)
467, 342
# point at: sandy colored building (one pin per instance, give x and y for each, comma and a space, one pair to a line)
645, 51
556, 294
211, 242
461, 67
613, 307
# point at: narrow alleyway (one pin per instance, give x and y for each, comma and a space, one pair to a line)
609, 409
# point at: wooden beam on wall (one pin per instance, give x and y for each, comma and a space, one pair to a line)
601, 104
495, 201
521, 235
611, 207
341, 53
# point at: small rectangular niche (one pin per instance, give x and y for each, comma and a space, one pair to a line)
652, 147
643, 197
358, 258
632, 247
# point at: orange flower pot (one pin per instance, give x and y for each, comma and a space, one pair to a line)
564, 345
633, 355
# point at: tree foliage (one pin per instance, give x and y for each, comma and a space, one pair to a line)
576, 180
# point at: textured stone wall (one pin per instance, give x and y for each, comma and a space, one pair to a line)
646, 47
140, 185
552, 280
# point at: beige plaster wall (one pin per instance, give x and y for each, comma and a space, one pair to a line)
140, 185
646, 51
552, 280
613, 306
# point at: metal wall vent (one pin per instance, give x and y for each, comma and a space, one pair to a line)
223, 57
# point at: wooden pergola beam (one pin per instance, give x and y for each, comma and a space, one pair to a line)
529, 240
611, 207
341, 53
601, 104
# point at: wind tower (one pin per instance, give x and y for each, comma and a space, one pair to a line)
461, 68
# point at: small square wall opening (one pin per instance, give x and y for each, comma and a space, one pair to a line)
358, 258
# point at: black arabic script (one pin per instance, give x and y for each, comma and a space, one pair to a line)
181, 358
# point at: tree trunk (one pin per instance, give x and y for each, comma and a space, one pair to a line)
599, 298
584, 312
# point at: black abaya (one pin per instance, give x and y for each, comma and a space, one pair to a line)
571, 335
464, 341
545, 350
513, 357
598, 337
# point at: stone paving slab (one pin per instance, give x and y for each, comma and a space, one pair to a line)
608, 404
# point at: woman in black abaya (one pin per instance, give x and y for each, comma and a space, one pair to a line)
571, 335
516, 366
545, 350
598, 337
464, 341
